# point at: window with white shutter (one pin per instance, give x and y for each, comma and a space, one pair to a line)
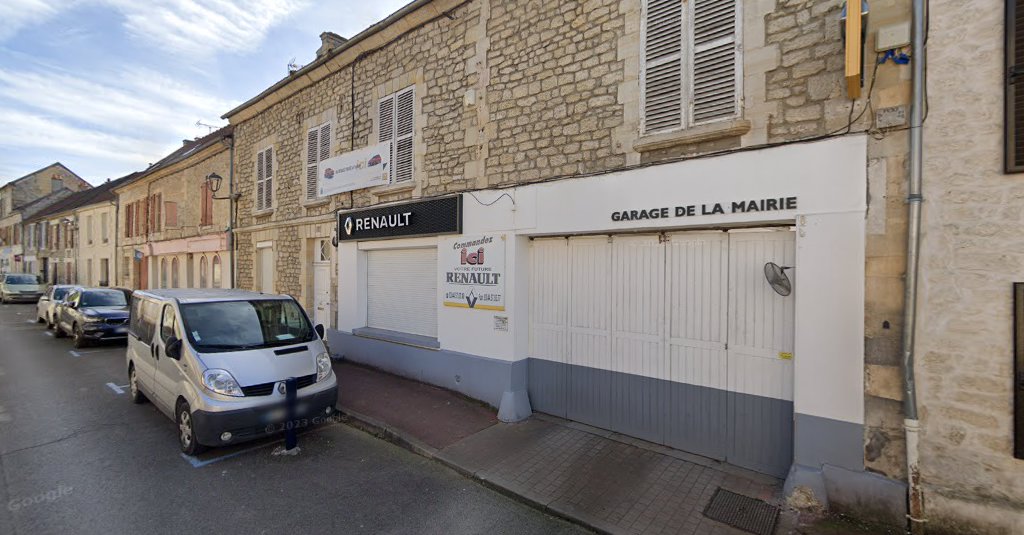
690, 63
318, 149
396, 117
265, 179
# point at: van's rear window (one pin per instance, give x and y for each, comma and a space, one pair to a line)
235, 325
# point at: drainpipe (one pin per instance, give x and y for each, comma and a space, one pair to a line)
231, 208
915, 498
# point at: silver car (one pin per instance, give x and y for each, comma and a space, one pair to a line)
46, 308
216, 361
20, 288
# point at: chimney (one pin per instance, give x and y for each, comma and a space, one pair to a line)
329, 41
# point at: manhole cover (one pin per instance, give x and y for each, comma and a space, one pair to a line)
742, 512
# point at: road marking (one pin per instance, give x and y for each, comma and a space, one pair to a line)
29, 321
198, 463
47, 333
118, 389
77, 354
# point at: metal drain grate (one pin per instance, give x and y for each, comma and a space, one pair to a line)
742, 512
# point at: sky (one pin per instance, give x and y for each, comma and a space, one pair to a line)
107, 87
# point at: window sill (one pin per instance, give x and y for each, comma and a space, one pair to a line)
315, 203
264, 212
394, 188
696, 134
414, 340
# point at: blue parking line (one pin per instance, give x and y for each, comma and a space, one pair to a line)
197, 463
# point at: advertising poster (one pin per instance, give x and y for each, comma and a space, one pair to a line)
363, 168
474, 273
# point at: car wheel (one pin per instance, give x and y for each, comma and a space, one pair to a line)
58, 332
40, 319
79, 340
186, 430
133, 383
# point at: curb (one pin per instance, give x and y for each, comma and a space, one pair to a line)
381, 430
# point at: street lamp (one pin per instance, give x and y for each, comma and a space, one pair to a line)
213, 180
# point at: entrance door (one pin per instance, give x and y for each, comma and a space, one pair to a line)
322, 284
676, 339
760, 367
266, 255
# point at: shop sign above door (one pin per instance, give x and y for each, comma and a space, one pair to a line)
423, 218
474, 273
732, 207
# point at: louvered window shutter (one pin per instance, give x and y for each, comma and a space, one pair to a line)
404, 130
312, 157
260, 195
662, 76
268, 174
714, 60
386, 127
1014, 120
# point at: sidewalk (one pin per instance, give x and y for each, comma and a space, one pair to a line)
603, 480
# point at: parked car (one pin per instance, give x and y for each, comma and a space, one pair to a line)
47, 306
93, 314
20, 288
216, 361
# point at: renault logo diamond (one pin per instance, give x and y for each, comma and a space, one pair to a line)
348, 226
281, 388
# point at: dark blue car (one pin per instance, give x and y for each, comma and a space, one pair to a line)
92, 315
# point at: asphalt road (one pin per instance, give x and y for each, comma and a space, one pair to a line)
76, 456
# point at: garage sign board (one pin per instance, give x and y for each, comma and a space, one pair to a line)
474, 273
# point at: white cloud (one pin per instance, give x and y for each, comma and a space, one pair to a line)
27, 130
195, 27
204, 27
18, 14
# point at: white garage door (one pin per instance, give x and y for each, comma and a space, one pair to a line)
675, 339
401, 290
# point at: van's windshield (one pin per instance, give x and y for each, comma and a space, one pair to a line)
235, 325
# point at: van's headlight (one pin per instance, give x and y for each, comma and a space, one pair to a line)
221, 382
323, 366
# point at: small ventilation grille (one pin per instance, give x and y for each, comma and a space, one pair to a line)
742, 512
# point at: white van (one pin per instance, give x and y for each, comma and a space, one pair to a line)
216, 361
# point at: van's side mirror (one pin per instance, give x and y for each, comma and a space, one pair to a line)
173, 348
319, 330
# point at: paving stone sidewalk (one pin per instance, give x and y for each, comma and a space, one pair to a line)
608, 482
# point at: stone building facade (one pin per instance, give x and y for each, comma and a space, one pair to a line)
22, 198
517, 95
971, 256
171, 231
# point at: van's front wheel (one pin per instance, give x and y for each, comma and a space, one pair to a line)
186, 430
133, 381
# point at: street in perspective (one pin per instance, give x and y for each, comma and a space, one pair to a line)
691, 267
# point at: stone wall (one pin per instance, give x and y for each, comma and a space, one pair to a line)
972, 253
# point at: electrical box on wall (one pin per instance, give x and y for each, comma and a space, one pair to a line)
892, 37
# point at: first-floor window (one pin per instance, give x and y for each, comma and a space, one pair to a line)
401, 290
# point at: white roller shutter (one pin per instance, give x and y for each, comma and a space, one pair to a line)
401, 290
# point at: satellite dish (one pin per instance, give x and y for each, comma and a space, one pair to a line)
778, 279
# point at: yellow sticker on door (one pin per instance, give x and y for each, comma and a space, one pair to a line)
786, 356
